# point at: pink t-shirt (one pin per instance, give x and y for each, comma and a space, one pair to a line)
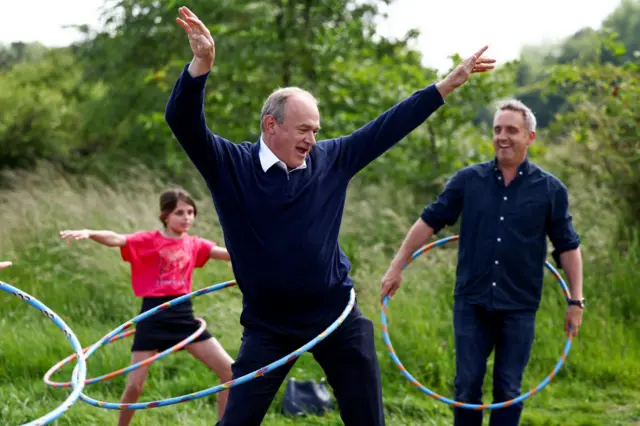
163, 266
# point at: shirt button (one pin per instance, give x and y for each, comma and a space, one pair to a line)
497, 262
505, 198
499, 239
493, 284
501, 217
499, 177
520, 173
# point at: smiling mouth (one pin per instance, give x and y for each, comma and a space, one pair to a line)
302, 151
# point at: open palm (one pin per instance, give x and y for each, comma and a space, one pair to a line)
473, 64
200, 39
74, 235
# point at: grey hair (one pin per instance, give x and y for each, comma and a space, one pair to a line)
275, 103
517, 106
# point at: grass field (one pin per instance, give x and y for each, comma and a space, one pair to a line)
88, 285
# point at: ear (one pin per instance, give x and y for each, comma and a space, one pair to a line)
269, 123
532, 136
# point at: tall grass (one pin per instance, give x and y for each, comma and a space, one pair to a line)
88, 285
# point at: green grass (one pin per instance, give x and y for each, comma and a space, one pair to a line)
88, 286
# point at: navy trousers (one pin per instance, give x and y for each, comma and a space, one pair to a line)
347, 356
477, 332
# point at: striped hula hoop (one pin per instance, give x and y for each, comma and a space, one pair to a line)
215, 389
175, 348
458, 404
80, 371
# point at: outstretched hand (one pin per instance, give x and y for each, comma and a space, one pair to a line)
200, 39
75, 235
5, 264
473, 64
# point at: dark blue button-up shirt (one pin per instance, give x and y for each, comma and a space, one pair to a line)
503, 230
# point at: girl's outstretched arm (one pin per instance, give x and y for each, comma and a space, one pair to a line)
219, 253
107, 238
5, 265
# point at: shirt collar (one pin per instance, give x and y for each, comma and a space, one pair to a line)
268, 159
523, 169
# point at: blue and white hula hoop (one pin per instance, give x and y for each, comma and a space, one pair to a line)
458, 404
215, 389
80, 371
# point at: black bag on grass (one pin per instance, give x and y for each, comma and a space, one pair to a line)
306, 397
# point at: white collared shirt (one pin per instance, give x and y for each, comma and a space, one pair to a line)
268, 159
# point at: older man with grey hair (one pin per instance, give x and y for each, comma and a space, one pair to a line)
508, 206
281, 227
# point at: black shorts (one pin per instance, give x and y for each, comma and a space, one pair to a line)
164, 329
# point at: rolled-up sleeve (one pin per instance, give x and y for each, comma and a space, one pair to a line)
446, 209
560, 228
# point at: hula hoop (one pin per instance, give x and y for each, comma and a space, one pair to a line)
215, 389
175, 348
79, 372
477, 407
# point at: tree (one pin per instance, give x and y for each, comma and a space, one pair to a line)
602, 125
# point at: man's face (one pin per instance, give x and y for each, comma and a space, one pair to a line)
292, 140
511, 138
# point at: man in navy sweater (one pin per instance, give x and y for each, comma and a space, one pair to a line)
280, 203
508, 206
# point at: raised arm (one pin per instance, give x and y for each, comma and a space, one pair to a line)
107, 238
185, 109
360, 148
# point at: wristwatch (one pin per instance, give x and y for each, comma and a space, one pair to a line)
577, 302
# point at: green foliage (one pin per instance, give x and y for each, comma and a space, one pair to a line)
260, 45
98, 106
17, 52
329, 47
617, 42
605, 101
625, 21
41, 116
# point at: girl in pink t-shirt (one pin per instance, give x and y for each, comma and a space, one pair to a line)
162, 263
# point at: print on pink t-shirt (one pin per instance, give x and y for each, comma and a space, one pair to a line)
163, 266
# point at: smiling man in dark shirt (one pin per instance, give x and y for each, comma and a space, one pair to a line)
508, 207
